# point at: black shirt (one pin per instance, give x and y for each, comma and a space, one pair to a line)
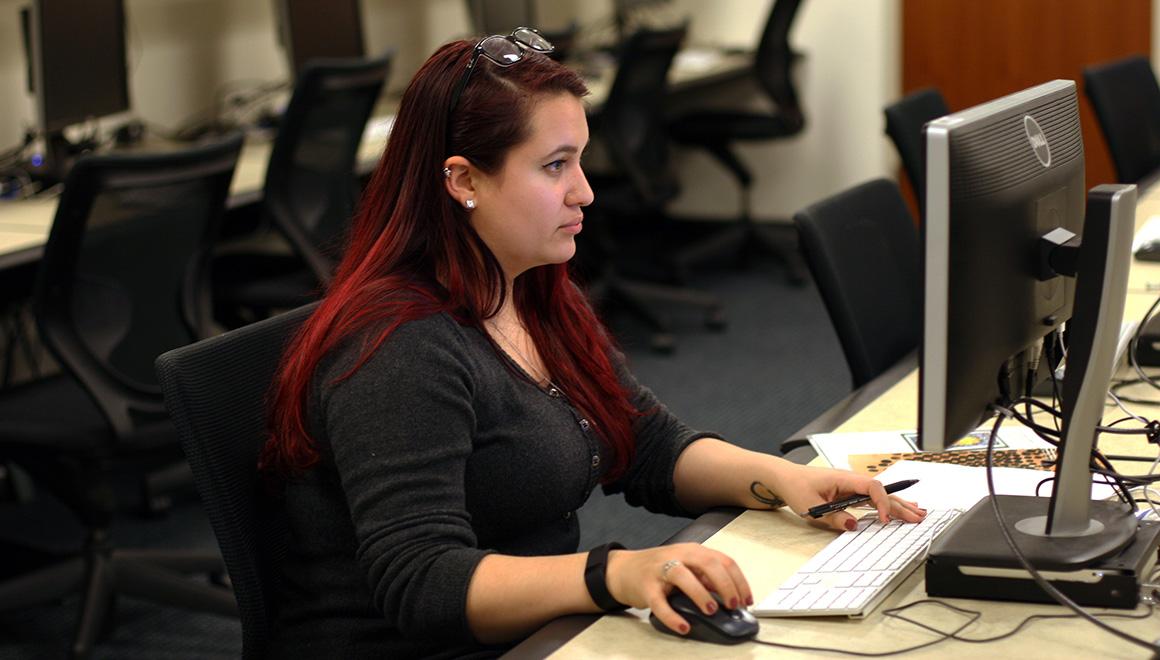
436, 452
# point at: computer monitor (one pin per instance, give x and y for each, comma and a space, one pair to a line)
76, 53
312, 29
1011, 253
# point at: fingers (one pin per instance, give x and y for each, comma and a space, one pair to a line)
699, 573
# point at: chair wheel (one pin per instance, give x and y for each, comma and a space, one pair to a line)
663, 343
715, 320
221, 579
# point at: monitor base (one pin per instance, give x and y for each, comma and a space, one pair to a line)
971, 560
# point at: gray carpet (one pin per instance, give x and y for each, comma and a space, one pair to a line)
773, 370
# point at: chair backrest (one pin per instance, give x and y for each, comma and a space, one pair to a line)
216, 392
124, 272
632, 118
773, 62
863, 250
310, 188
904, 121
502, 16
1126, 99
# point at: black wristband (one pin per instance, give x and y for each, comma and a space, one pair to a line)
596, 578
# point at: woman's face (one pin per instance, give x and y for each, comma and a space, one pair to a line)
529, 212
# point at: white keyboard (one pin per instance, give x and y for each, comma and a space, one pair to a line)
857, 570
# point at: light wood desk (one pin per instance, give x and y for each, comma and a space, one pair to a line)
770, 546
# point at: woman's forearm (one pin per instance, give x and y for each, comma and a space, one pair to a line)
510, 597
712, 473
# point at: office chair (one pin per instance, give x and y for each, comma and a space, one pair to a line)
216, 391
862, 249
631, 128
715, 132
904, 121
1126, 99
122, 279
309, 193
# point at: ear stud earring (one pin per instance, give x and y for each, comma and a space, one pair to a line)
446, 172
470, 204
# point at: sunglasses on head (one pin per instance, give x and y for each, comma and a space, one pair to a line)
504, 51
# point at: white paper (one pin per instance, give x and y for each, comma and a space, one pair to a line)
950, 486
836, 448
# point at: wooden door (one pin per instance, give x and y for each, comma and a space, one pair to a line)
977, 50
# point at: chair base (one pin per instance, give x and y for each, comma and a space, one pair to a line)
740, 243
632, 296
102, 574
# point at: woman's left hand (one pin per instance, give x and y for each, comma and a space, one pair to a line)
803, 487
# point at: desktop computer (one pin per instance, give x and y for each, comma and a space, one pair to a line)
1005, 266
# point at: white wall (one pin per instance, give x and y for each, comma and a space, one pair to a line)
850, 69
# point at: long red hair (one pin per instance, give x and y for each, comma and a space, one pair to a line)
412, 253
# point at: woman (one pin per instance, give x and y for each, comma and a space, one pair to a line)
454, 399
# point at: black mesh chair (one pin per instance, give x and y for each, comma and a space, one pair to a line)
216, 393
631, 128
1126, 99
716, 131
121, 281
309, 193
904, 121
862, 248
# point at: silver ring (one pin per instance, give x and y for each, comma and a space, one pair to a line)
668, 566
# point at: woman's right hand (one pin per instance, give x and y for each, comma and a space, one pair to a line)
639, 578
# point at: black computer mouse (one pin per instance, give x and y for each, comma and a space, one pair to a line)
725, 626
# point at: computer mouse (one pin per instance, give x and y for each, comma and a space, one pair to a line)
725, 626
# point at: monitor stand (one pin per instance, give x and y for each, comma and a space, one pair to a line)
971, 560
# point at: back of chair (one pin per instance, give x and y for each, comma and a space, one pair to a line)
632, 119
773, 62
310, 188
216, 392
1126, 99
863, 250
904, 121
123, 277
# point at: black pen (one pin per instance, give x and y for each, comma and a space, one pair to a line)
854, 500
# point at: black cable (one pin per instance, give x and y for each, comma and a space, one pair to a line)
973, 616
1020, 626
1047, 587
1132, 359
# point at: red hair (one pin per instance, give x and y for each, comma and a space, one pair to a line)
412, 253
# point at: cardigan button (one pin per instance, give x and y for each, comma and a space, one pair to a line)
584, 425
567, 515
596, 460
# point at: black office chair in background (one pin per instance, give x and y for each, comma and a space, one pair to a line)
862, 249
716, 131
630, 203
121, 281
904, 121
1126, 99
216, 391
309, 194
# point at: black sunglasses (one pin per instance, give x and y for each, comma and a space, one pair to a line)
504, 51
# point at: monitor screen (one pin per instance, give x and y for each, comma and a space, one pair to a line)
313, 29
999, 177
78, 61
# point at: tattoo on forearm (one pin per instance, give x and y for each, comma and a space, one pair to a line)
763, 494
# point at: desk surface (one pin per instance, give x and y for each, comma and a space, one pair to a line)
24, 224
770, 546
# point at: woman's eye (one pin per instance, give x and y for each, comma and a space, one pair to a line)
555, 166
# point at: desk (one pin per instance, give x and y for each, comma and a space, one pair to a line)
770, 546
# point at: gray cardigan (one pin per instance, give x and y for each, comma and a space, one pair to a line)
435, 453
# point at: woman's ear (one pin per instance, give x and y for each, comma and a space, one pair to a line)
457, 179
